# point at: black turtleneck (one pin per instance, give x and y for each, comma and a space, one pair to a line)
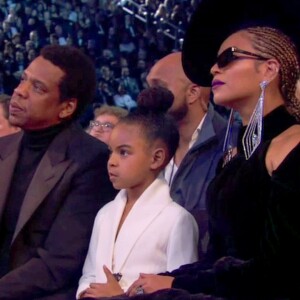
33, 146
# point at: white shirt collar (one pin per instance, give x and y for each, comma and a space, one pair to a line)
171, 168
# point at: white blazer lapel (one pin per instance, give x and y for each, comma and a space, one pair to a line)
108, 226
142, 214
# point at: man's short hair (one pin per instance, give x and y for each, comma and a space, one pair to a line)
116, 111
79, 81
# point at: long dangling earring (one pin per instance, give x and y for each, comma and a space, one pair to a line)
252, 136
227, 146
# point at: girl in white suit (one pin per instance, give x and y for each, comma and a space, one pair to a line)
142, 229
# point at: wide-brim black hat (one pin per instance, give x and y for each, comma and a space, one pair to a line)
214, 20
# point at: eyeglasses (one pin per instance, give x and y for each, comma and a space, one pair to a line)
106, 126
227, 56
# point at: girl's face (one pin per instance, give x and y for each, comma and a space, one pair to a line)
129, 165
236, 85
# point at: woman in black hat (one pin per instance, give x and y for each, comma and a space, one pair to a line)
252, 202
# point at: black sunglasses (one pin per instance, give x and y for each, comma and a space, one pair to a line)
227, 56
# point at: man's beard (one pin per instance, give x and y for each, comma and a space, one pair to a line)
179, 112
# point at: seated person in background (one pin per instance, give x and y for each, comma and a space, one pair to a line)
123, 99
142, 229
201, 131
106, 117
5, 127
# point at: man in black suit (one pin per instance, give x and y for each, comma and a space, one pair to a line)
53, 178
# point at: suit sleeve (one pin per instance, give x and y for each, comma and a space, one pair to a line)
57, 264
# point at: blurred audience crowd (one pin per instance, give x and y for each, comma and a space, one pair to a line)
124, 38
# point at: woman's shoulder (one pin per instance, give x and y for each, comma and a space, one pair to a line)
281, 146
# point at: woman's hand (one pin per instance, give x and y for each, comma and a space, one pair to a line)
149, 283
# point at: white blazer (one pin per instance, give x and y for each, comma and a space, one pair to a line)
158, 235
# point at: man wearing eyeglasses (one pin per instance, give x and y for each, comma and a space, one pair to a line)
106, 117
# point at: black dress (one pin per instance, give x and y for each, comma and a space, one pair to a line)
253, 218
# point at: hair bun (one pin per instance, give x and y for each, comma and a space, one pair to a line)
155, 99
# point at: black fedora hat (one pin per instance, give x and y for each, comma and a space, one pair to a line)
214, 20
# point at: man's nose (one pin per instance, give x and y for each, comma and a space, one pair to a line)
22, 89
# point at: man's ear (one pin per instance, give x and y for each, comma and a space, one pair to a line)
158, 158
198, 94
192, 93
68, 108
272, 69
